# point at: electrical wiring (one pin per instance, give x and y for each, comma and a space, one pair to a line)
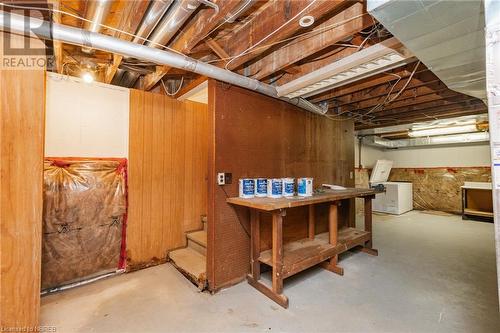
90, 21
305, 34
176, 92
389, 99
360, 47
390, 91
406, 84
386, 97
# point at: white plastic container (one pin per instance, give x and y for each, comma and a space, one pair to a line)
261, 187
305, 187
275, 188
247, 187
288, 187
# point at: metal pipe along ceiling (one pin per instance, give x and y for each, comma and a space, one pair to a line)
96, 13
155, 12
14, 23
177, 15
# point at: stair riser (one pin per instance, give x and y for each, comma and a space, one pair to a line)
197, 247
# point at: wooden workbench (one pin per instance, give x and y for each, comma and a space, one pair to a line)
294, 257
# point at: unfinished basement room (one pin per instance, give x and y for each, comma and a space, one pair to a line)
250, 166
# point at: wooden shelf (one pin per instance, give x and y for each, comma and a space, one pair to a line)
469, 211
305, 253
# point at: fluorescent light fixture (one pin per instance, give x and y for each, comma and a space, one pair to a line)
87, 77
460, 138
373, 60
443, 130
463, 138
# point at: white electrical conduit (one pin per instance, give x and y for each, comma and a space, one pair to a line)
14, 23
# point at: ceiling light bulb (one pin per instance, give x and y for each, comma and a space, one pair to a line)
87, 77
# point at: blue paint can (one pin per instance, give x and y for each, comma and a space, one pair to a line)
261, 187
247, 188
275, 187
288, 187
305, 187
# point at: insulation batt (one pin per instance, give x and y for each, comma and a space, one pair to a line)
83, 218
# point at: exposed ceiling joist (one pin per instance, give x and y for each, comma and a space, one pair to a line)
413, 95
439, 105
278, 21
214, 46
333, 30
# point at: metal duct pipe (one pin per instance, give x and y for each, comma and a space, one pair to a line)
179, 12
96, 12
153, 15
14, 23
156, 10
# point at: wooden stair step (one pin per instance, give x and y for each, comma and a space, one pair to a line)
190, 263
199, 237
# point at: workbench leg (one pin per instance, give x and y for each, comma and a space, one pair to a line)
274, 293
368, 227
333, 218
255, 243
311, 222
277, 252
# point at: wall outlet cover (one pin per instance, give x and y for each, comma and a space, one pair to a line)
221, 178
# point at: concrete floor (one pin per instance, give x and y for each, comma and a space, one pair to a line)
434, 274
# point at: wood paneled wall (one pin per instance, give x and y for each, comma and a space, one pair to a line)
257, 136
22, 112
167, 178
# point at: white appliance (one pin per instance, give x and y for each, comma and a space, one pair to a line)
398, 196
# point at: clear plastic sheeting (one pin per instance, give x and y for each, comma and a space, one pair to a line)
84, 218
440, 188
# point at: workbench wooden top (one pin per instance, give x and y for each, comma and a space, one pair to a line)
270, 204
